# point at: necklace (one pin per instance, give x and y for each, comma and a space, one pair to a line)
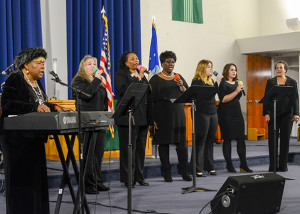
38, 92
167, 75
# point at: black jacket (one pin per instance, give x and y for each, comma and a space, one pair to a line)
143, 114
289, 105
98, 100
16, 97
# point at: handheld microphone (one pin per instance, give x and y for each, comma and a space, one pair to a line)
95, 71
7, 69
215, 73
146, 71
241, 83
177, 77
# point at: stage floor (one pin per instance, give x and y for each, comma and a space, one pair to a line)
162, 197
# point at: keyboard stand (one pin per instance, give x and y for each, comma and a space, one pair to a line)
66, 179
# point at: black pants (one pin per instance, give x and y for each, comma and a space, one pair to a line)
206, 126
93, 176
25, 174
241, 150
182, 154
139, 137
284, 127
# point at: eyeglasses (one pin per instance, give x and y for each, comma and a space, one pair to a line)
39, 62
170, 62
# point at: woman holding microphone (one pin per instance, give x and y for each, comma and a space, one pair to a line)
206, 119
230, 117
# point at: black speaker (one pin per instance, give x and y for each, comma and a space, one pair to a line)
249, 194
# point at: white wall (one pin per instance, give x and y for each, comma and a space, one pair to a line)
224, 21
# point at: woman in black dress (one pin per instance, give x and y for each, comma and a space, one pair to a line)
24, 152
287, 111
128, 74
89, 82
206, 119
230, 117
169, 117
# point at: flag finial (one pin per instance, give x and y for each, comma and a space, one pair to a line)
153, 19
103, 11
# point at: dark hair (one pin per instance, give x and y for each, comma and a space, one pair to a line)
286, 67
27, 55
166, 55
226, 71
123, 59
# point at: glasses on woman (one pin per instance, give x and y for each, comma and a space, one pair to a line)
170, 62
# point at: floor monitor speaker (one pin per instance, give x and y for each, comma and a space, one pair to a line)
249, 194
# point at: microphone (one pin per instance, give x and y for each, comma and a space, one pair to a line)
56, 78
146, 71
177, 77
215, 73
95, 71
241, 83
7, 69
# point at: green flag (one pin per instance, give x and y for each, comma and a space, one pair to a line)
187, 11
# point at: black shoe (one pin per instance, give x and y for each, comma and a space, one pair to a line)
167, 177
230, 169
132, 186
91, 191
143, 183
101, 187
212, 172
245, 169
200, 174
186, 177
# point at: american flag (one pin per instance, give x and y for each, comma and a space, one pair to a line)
105, 66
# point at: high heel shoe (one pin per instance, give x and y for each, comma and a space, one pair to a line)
212, 172
200, 174
245, 169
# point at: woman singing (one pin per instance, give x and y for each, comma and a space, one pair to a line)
169, 117
230, 117
206, 119
128, 74
24, 153
287, 111
89, 82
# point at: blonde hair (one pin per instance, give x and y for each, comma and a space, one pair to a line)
201, 72
81, 70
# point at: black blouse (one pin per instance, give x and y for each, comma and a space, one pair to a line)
289, 105
206, 106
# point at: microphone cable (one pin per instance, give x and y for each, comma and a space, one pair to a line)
216, 197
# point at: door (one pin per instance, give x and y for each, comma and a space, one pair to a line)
259, 70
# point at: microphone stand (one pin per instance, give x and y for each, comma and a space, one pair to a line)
80, 193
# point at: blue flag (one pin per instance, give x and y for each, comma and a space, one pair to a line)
153, 58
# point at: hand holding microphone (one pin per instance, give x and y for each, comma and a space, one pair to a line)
178, 81
240, 83
98, 73
219, 77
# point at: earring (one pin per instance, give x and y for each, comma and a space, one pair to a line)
27, 72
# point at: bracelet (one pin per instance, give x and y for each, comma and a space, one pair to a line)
54, 106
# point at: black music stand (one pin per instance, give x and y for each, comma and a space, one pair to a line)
191, 95
129, 103
275, 94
